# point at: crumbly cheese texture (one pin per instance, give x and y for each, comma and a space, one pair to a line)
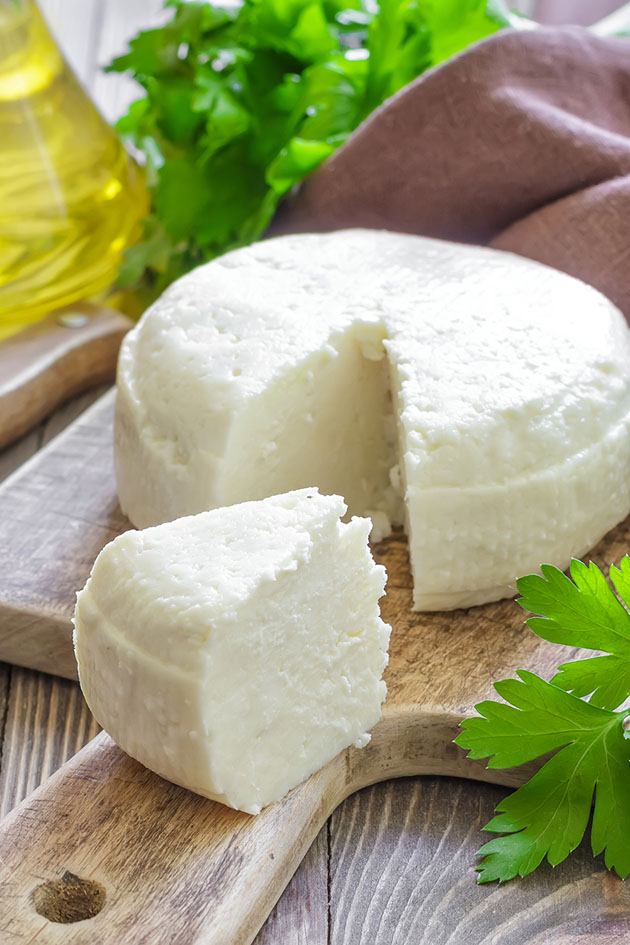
477, 397
237, 651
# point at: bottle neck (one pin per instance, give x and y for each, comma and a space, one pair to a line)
29, 57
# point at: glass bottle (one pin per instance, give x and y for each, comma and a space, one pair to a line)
71, 198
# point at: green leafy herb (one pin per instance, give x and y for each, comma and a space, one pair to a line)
589, 770
584, 612
241, 103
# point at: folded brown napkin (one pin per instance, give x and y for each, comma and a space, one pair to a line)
522, 142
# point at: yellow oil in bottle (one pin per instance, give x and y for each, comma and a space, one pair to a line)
70, 197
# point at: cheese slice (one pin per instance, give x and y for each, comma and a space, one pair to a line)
237, 651
478, 398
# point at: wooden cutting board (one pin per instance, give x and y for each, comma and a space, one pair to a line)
67, 352
128, 857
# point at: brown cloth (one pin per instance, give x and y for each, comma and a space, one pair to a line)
521, 142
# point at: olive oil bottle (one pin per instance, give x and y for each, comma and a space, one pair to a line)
71, 198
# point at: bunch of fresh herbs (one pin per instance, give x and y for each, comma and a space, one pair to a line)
242, 102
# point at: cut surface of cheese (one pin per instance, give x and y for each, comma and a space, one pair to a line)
478, 398
237, 651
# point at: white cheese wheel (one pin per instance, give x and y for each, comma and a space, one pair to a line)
478, 398
237, 651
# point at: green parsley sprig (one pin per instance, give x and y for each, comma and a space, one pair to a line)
241, 102
589, 771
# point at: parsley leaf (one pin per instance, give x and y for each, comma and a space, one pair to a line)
241, 103
583, 611
590, 766
548, 816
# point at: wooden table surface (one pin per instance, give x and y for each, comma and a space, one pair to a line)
394, 865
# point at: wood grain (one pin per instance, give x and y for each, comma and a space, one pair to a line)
5, 678
29, 737
56, 513
46, 364
300, 916
22, 449
402, 858
177, 868
47, 722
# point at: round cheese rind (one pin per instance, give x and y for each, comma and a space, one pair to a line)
478, 398
237, 651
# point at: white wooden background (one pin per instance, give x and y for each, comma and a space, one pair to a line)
394, 864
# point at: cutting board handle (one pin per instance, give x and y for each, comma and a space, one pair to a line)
67, 352
131, 858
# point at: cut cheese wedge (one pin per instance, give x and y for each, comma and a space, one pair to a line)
480, 399
237, 651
